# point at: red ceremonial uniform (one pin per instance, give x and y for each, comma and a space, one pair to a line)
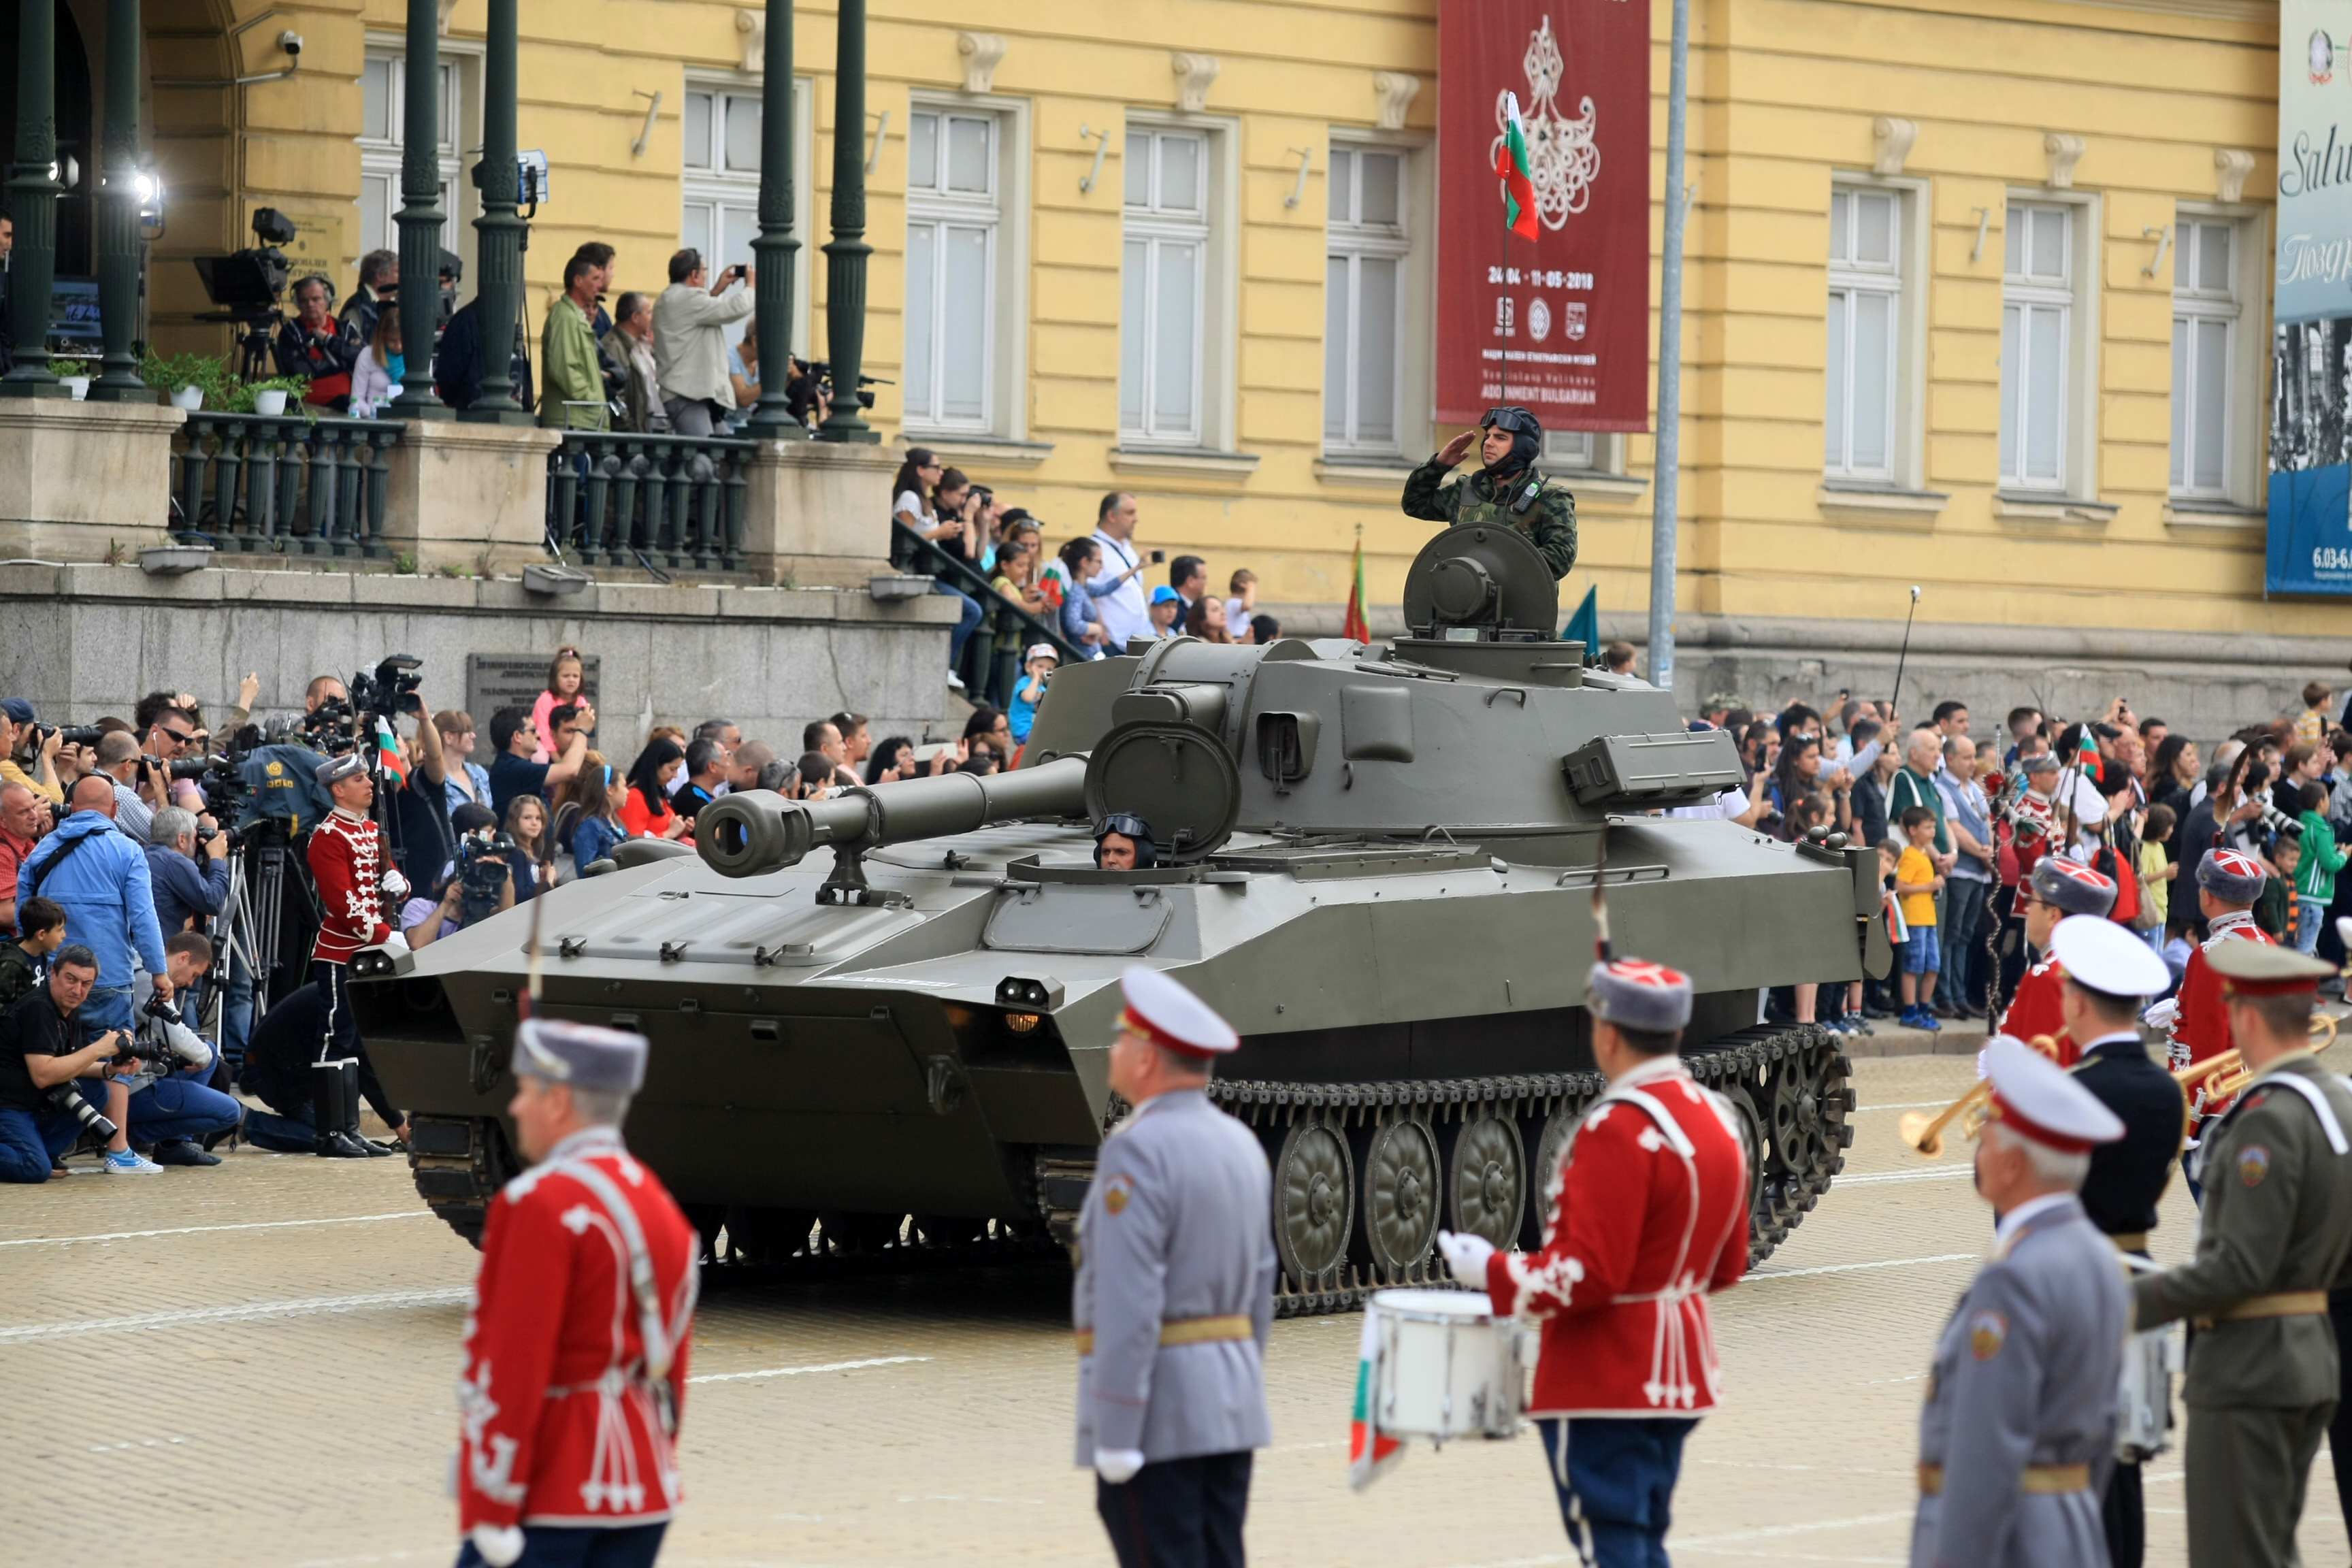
1649, 1213
2034, 1010
2202, 1027
561, 1423
347, 863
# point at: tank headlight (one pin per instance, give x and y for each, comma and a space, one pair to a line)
1022, 1023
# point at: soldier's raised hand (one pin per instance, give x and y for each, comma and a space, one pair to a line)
1453, 450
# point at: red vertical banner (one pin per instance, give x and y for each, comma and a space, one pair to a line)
1561, 325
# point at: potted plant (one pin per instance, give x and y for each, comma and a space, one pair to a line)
75, 370
272, 398
192, 380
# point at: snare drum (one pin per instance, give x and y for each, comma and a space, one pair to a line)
1445, 1366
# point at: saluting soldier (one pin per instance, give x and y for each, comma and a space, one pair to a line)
574, 1369
2273, 1235
1648, 1215
1506, 490
2055, 890
2018, 1430
1174, 1295
2109, 976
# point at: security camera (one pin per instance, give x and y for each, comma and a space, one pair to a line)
291, 42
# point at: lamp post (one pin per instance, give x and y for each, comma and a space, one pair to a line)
33, 192
846, 252
776, 250
1664, 496
500, 232
420, 214
118, 213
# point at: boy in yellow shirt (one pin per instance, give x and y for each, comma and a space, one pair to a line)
1916, 883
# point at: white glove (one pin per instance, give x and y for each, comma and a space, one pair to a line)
395, 942
1117, 1466
1465, 1256
499, 1545
394, 885
2160, 1017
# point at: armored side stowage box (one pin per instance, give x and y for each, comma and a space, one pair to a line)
1378, 863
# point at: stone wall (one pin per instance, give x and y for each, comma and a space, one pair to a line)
2206, 684
84, 641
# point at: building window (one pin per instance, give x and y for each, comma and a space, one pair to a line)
1164, 286
2205, 310
1865, 312
721, 216
953, 212
1367, 246
2037, 333
1572, 449
383, 122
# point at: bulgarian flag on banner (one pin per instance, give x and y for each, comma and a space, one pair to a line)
1370, 1452
387, 752
1511, 166
1356, 627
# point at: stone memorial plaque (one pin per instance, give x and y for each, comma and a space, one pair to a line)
496, 680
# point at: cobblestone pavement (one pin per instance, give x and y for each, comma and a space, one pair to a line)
253, 1366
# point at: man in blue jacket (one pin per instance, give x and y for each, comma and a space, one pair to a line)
183, 886
100, 878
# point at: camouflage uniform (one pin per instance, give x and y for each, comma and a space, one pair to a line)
1550, 525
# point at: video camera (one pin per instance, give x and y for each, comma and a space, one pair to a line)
247, 284
482, 872
822, 371
391, 689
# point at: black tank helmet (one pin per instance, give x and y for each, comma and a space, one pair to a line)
1527, 435
1128, 824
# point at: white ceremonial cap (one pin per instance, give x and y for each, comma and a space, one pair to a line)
1163, 1011
2103, 956
2035, 1097
586, 1056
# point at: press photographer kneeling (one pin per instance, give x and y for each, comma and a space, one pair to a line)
42, 1052
172, 1104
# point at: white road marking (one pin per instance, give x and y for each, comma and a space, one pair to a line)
207, 1229
248, 1311
1886, 1178
1905, 1105
1853, 1267
799, 1371
1775, 1532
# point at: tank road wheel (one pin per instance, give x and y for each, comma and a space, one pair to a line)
1397, 1168
1486, 1178
1558, 1129
1314, 1204
767, 1235
1751, 1139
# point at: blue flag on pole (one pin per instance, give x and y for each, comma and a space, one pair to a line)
1584, 626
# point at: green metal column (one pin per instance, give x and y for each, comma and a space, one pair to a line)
845, 254
119, 250
33, 201
499, 232
776, 250
420, 215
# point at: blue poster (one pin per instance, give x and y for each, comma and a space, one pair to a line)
2310, 545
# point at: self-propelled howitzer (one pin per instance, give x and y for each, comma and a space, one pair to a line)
884, 1017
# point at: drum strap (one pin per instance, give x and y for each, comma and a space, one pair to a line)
1656, 1107
660, 1337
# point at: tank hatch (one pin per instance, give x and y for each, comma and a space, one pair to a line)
757, 932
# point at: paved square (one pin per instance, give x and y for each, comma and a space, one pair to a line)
254, 1365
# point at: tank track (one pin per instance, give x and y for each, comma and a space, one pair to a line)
1788, 1084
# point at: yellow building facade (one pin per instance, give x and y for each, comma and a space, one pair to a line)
1975, 293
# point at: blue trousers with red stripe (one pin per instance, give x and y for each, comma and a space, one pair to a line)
1616, 1479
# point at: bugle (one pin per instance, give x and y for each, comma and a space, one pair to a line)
1925, 1133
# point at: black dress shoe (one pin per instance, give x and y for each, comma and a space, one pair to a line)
337, 1145
179, 1152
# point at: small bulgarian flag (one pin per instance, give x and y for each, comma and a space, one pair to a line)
1356, 627
1511, 166
387, 752
1370, 1452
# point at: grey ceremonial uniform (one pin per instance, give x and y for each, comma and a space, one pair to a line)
2275, 1235
1175, 1288
2019, 1432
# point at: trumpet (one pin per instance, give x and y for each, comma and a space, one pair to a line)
1925, 1133
2225, 1074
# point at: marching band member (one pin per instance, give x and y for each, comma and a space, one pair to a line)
2109, 974
574, 1369
1174, 1295
2056, 889
2273, 1234
2019, 1425
2198, 1024
1649, 1215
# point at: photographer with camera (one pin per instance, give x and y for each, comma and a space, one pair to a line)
24, 816
44, 1048
478, 884
690, 322
88, 867
311, 345
345, 855
171, 1103
29, 750
137, 779
190, 882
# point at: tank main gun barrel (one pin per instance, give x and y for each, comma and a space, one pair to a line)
758, 831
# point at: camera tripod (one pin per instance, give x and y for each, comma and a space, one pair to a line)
250, 935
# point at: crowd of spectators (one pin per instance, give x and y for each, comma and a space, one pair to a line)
1960, 817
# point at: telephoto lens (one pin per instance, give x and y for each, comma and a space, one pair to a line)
65, 1097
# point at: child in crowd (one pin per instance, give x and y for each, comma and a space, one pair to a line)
1040, 662
1240, 602
2315, 880
2157, 869
2274, 911
2179, 941
2311, 724
43, 925
566, 676
1916, 882
1166, 603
